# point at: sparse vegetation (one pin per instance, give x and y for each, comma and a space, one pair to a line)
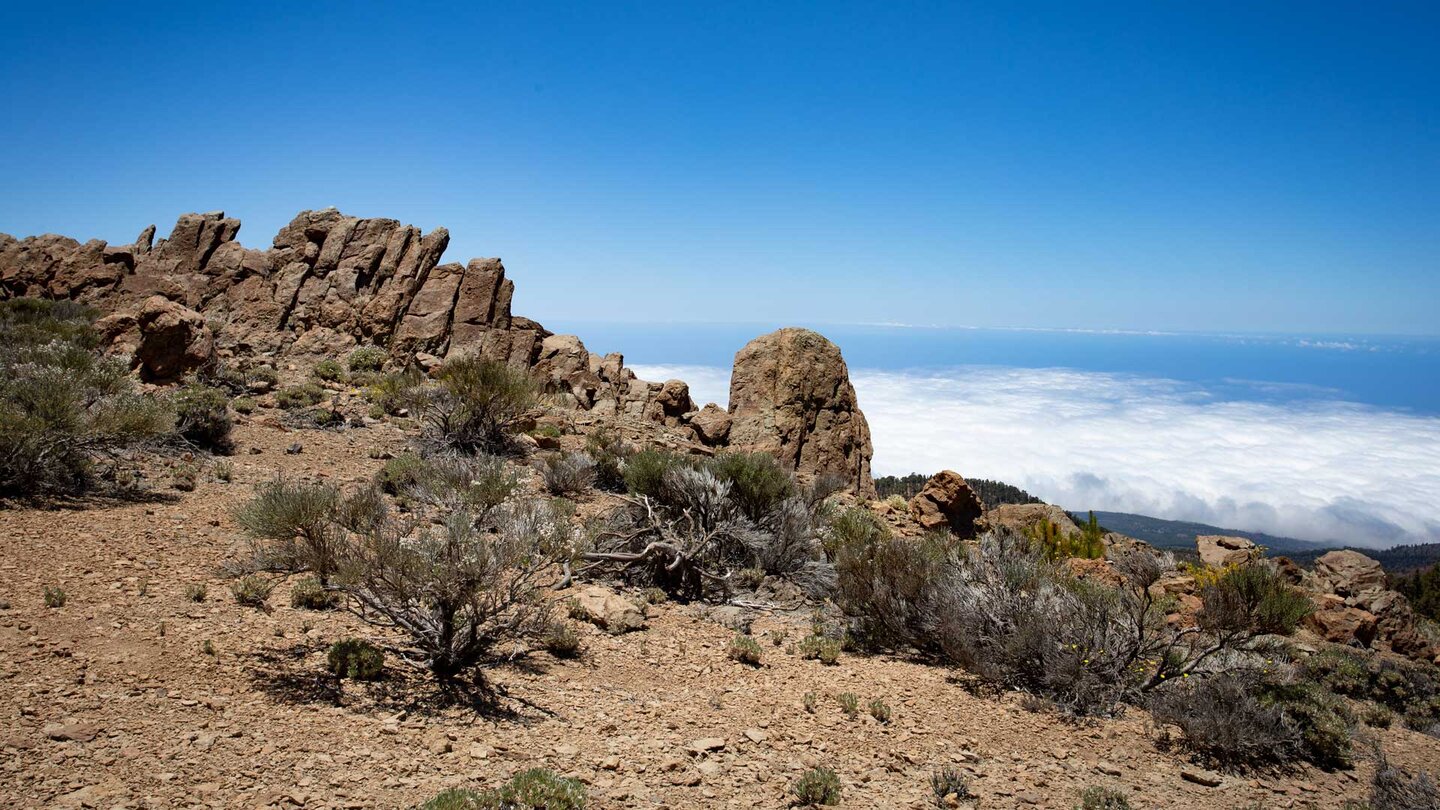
195, 592
810, 701
817, 786
55, 597
820, 648
949, 785
356, 659
295, 397
252, 590
879, 710
63, 407
476, 405
308, 593
366, 359
568, 473
849, 704
328, 371
1098, 797
561, 640
202, 417
1392, 788
535, 789
243, 405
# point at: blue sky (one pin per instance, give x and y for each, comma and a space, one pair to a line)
1150, 165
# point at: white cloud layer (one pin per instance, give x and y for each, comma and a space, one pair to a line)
1086, 440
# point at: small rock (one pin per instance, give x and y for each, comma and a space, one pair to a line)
756, 735
705, 745
1200, 776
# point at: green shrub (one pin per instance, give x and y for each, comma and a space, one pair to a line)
562, 641
655, 596
356, 659
202, 416
397, 392
645, 471
609, 454
949, 786
745, 649
195, 592
882, 581
309, 594
243, 405
367, 359
757, 481
55, 597
400, 473
295, 397
1254, 598
1324, 722
328, 370
62, 405
817, 786
822, 649
252, 590
292, 523
1059, 545
477, 404
1097, 797
810, 701
849, 704
1377, 716
880, 710
224, 472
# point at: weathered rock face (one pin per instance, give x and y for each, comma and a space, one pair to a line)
1350, 590
1344, 625
328, 283
1027, 517
711, 424
1219, 551
1348, 573
947, 502
790, 396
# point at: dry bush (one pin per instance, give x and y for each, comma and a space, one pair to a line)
366, 359
883, 582
202, 417
62, 405
1392, 788
535, 789
817, 786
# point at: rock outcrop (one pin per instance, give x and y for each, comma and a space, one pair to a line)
329, 282
947, 502
1028, 517
790, 396
1219, 551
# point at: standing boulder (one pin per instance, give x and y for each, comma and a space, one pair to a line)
711, 424
1349, 573
791, 397
174, 340
947, 502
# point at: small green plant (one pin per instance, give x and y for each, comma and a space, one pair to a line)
243, 405
535, 789
745, 649
817, 786
655, 596
949, 786
55, 596
1097, 797
1377, 716
224, 472
309, 594
562, 640
208, 648
849, 704
185, 475
810, 701
252, 590
366, 359
202, 416
328, 370
825, 650
195, 592
880, 711
356, 659
299, 396
546, 431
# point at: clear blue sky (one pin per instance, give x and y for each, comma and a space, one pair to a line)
1158, 165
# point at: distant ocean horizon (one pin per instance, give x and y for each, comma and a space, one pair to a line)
1323, 437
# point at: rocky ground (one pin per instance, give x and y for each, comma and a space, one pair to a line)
132, 695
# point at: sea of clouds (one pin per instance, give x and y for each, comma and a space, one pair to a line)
1313, 469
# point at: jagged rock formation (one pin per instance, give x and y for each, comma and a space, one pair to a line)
328, 283
790, 396
947, 502
1029, 517
1219, 550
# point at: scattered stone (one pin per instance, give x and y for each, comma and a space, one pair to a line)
1200, 776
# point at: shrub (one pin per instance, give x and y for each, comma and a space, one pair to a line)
949, 785
55, 597
849, 704
397, 392
1391, 788
295, 397
822, 649
400, 473
879, 710
62, 405
243, 405
309, 594
1324, 723
645, 471
1058, 545
292, 524
882, 581
1097, 797
562, 641
202, 416
745, 649
568, 474
328, 370
356, 659
1253, 599
1225, 721
757, 481
195, 592
817, 786
655, 596
609, 454
366, 359
1377, 716
477, 404
810, 701
252, 590
224, 472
